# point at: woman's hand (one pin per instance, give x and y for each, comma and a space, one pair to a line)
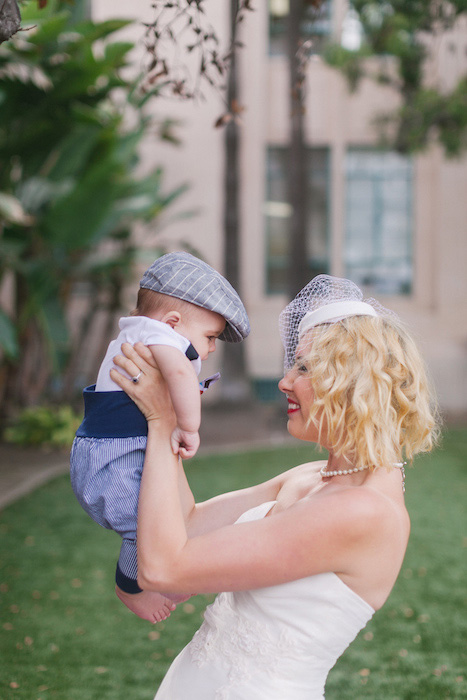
150, 391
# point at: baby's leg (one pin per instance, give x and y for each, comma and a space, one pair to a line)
99, 472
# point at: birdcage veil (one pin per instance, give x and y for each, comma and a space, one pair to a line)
324, 300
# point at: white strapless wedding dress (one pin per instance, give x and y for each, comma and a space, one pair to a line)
275, 643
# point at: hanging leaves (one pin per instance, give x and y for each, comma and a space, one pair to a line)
405, 36
185, 54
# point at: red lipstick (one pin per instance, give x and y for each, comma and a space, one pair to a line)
292, 406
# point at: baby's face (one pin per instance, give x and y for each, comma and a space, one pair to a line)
202, 328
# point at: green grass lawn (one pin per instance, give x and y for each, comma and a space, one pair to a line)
64, 635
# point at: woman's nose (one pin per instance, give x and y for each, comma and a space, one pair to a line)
284, 384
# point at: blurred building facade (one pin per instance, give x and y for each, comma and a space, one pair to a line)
395, 225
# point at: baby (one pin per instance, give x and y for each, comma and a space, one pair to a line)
183, 307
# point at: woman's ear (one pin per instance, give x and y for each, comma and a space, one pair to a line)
172, 318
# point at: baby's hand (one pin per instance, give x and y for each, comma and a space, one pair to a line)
184, 443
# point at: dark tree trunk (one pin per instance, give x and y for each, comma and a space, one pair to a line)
234, 386
10, 19
24, 382
297, 272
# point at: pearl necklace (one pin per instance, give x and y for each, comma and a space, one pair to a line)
342, 472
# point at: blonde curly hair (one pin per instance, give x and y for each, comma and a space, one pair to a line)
373, 400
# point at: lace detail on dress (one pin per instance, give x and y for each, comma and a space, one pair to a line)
242, 643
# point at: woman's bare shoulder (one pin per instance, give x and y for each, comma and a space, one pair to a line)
307, 468
300, 482
361, 510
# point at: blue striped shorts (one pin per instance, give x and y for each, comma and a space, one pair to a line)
105, 477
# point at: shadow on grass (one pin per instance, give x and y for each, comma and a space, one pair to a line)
65, 636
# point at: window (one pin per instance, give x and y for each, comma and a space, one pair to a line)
278, 210
316, 25
352, 31
378, 239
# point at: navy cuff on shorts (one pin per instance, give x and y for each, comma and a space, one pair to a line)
129, 585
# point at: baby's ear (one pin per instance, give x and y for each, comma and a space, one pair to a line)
172, 318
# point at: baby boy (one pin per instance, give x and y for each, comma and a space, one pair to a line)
183, 307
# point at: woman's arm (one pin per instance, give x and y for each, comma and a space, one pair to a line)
226, 508
298, 542
215, 512
333, 533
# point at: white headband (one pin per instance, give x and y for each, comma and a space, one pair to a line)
334, 312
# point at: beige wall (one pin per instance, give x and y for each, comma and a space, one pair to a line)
197, 162
437, 308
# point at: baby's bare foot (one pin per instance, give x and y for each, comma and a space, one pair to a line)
148, 605
178, 597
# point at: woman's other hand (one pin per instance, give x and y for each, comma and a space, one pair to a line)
145, 384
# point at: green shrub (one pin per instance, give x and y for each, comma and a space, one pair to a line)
72, 126
52, 426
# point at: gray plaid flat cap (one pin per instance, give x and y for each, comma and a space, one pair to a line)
185, 277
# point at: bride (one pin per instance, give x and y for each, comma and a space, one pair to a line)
303, 561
